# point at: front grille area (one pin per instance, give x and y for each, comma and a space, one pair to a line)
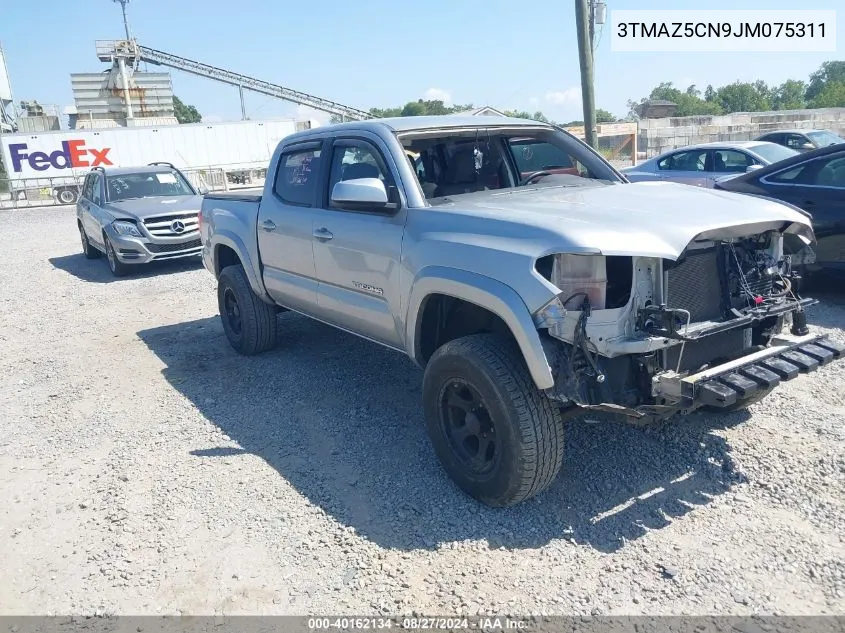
694, 285
164, 225
172, 248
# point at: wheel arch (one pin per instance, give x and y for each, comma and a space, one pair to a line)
483, 293
229, 249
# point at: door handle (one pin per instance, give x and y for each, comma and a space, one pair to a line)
323, 234
268, 225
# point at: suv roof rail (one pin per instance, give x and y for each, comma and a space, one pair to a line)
161, 162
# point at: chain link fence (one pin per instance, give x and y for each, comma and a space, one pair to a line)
40, 192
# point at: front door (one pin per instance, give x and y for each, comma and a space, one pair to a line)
357, 253
726, 162
284, 227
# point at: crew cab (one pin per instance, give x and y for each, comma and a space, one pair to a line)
526, 297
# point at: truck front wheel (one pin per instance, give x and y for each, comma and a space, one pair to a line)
496, 435
249, 323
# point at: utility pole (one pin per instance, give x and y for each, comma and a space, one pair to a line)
583, 24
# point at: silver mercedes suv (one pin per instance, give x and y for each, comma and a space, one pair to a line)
137, 215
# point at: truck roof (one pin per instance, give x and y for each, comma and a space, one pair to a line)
411, 123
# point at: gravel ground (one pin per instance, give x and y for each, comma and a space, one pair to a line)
146, 468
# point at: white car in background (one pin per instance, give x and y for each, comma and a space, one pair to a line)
701, 165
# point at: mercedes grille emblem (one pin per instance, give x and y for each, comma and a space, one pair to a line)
177, 226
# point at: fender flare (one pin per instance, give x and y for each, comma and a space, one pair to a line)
487, 293
251, 268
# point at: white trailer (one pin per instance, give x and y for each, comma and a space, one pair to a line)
56, 162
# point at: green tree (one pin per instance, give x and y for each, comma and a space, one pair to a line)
831, 96
789, 95
828, 72
743, 97
603, 116
185, 113
689, 101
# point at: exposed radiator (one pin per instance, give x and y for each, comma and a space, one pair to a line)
694, 285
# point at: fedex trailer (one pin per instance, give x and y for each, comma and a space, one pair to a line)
58, 161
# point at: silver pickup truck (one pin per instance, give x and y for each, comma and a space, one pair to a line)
528, 278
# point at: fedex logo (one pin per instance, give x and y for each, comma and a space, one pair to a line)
72, 154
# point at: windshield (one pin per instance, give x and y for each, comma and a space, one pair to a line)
147, 185
454, 162
772, 153
823, 138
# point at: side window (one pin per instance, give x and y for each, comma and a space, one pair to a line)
795, 141
793, 176
693, 160
731, 161
832, 174
357, 159
296, 178
96, 195
532, 155
86, 187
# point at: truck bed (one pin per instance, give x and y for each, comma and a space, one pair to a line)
232, 195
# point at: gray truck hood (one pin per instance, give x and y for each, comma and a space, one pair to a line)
140, 208
650, 219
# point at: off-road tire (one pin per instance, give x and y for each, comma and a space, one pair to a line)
527, 425
117, 267
739, 405
88, 249
255, 331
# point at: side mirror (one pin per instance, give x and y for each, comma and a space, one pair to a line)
753, 168
808, 146
202, 190
360, 194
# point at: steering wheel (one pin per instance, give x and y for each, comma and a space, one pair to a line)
533, 175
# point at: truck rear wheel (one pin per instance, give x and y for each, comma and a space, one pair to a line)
67, 196
249, 323
496, 435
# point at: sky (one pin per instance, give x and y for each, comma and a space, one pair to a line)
379, 53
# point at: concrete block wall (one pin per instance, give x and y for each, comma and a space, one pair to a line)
656, 136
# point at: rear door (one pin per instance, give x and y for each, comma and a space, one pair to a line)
95, 217
686, 166
284, 227
357, 253
84, 201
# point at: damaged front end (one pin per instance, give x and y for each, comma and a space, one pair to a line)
647, 337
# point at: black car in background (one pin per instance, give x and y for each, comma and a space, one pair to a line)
815, 182
802, 140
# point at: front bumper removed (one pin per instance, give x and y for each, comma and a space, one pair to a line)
745, 377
